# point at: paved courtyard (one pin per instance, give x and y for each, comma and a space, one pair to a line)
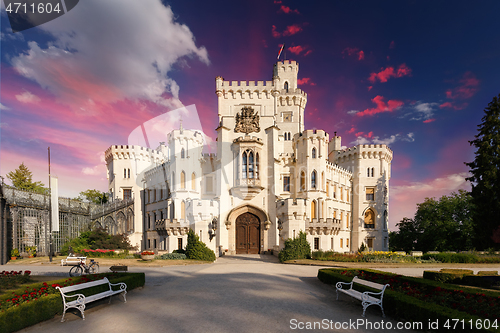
235, 294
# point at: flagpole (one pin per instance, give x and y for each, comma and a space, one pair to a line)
50, 214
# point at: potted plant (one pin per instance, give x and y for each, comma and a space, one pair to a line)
14, 253
31, 251
147, 255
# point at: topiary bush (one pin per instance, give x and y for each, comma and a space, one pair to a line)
296, 248
195, 249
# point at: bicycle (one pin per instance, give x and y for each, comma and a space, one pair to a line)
83, 268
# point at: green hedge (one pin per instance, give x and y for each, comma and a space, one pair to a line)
46, 307
409, 308
447, 275
171, 256
461, 258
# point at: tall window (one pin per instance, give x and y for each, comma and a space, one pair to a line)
370, 194
124, 173
183, 154
385, 219
372, 171
183, 180
313, 209
369, 243
316, 243
179, 243
302, 181
286, 183
348, 219
369, 219
347, 196
183, 210
244, 165
334, 191
314, 153
193, 181
341, 194
368, 172
128, 170
286, 86
250, 165
313, 179
257, 165
327, 189
127, 194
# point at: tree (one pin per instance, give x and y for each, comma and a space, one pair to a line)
22, 178
485, 178
195, 249
296, 248
443, 225
94, 196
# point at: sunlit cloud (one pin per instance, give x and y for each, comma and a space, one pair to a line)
382, 106
385, 74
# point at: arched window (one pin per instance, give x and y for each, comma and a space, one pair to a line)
313, 209
193, 181
314, 153
183, 180
302, 181
286, 86
250, 165
313, 179
182, 153
369, 219
257, 165
244, 165
323, 180
385, 219
183, 210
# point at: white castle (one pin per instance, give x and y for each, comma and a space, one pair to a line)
269, 179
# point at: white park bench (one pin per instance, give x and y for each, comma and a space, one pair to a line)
367, 298
81, 300
72, 260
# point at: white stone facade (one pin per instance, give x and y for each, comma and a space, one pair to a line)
269, 179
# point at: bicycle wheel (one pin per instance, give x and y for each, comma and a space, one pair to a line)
94, 268
75, 271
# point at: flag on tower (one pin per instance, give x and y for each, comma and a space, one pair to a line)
281, 50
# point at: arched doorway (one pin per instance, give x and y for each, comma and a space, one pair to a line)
247, 234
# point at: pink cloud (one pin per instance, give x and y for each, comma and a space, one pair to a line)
467, 88
278, 2
385, 74
351, 130
429, 120
392, 45
292, 30
369, 135
296, 49
370, 88
275, 33
359, 134
287, 10
308, 53
306, 80
354, 51
454, 106
390, 106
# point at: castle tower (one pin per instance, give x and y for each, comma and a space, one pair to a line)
371, 169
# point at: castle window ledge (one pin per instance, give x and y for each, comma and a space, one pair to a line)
246, 192
248, 182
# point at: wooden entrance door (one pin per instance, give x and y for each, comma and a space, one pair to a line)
247, 234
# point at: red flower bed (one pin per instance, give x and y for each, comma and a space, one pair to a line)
472, 303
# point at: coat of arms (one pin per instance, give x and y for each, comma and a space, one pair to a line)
247, 121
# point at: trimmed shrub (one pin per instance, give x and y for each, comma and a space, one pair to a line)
198, 250
296, 248
447, 257
447, 275
171, 256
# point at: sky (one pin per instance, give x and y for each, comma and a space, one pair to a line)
415, 75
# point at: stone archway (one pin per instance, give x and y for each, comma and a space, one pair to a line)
231, 226
247, 234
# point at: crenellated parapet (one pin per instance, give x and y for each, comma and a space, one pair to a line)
132, 152
336, 169
379, 151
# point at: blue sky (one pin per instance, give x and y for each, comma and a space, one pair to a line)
415, 75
